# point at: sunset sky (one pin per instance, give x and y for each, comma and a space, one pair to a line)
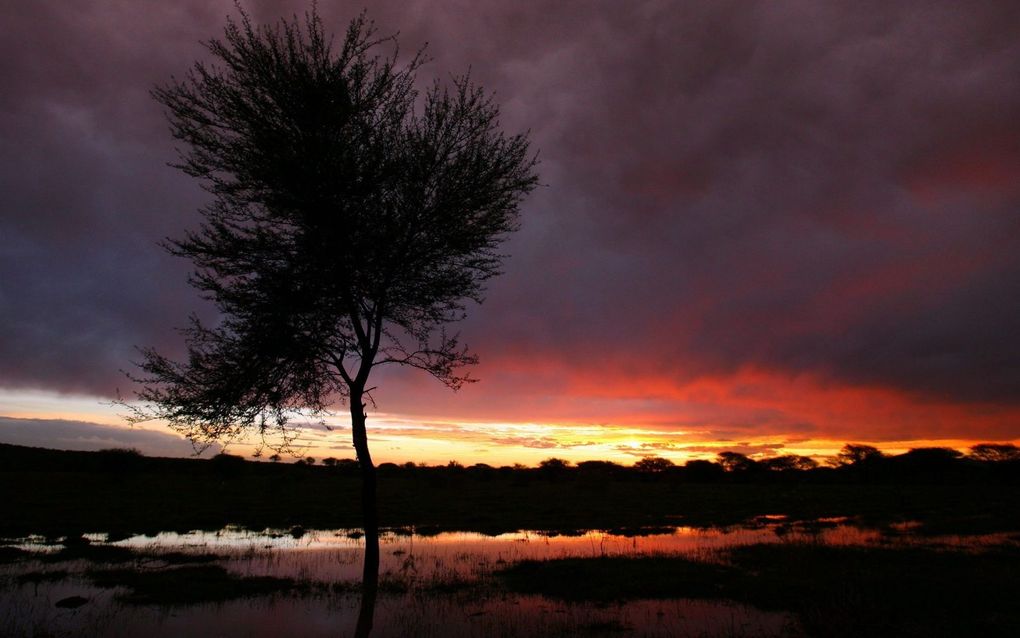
769, 227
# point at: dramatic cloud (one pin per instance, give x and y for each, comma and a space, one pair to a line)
782, 218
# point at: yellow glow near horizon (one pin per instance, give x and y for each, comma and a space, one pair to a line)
398, 438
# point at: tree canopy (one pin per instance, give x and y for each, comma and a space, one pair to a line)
353, 214
352, 218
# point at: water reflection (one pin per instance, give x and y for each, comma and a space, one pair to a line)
369, 589
437, 584
449, 616
408, 557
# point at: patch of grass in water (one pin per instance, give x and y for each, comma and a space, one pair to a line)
851, 591
80, 549
91, 552
14, 555
611, 578
177, 558
189, 585
36, 578
834, 591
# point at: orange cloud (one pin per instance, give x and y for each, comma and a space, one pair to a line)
746, 403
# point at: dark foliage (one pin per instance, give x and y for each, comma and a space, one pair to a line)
654, 464
351, 218
995, 452
852, 454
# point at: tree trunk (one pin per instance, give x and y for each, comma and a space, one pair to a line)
370, 518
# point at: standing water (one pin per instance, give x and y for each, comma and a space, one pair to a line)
442, 584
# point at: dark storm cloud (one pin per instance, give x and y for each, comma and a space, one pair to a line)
85, 191
746, 185
802, 187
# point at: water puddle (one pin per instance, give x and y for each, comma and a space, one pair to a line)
432, 584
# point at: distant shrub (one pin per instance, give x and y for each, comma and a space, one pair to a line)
119, 459
736, 462
789, 462
853, 454
122, 451
227, 459
554, 464
654, 464
995, 452
700, 470
599, 467
224, 463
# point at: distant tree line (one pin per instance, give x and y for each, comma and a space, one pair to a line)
999, 462
854, 463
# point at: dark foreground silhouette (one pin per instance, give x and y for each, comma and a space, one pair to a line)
908, 585
58, 493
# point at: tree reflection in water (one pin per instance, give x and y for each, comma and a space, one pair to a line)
369, 586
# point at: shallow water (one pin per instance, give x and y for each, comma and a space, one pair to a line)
395, 615
433, 585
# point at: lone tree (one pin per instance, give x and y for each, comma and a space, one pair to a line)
351, 218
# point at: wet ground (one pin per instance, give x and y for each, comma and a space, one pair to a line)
306, 582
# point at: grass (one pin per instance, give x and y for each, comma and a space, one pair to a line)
834, 591
616, 578
188, 585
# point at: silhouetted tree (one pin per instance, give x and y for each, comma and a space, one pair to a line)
554, 464
120, 460
348, 465
351, 219
226, 459
925, 455
553, 467
852, 454
927, 464
654, 464
789, 462
481, 471
995, 452
604, 468
736, 462
702, 470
